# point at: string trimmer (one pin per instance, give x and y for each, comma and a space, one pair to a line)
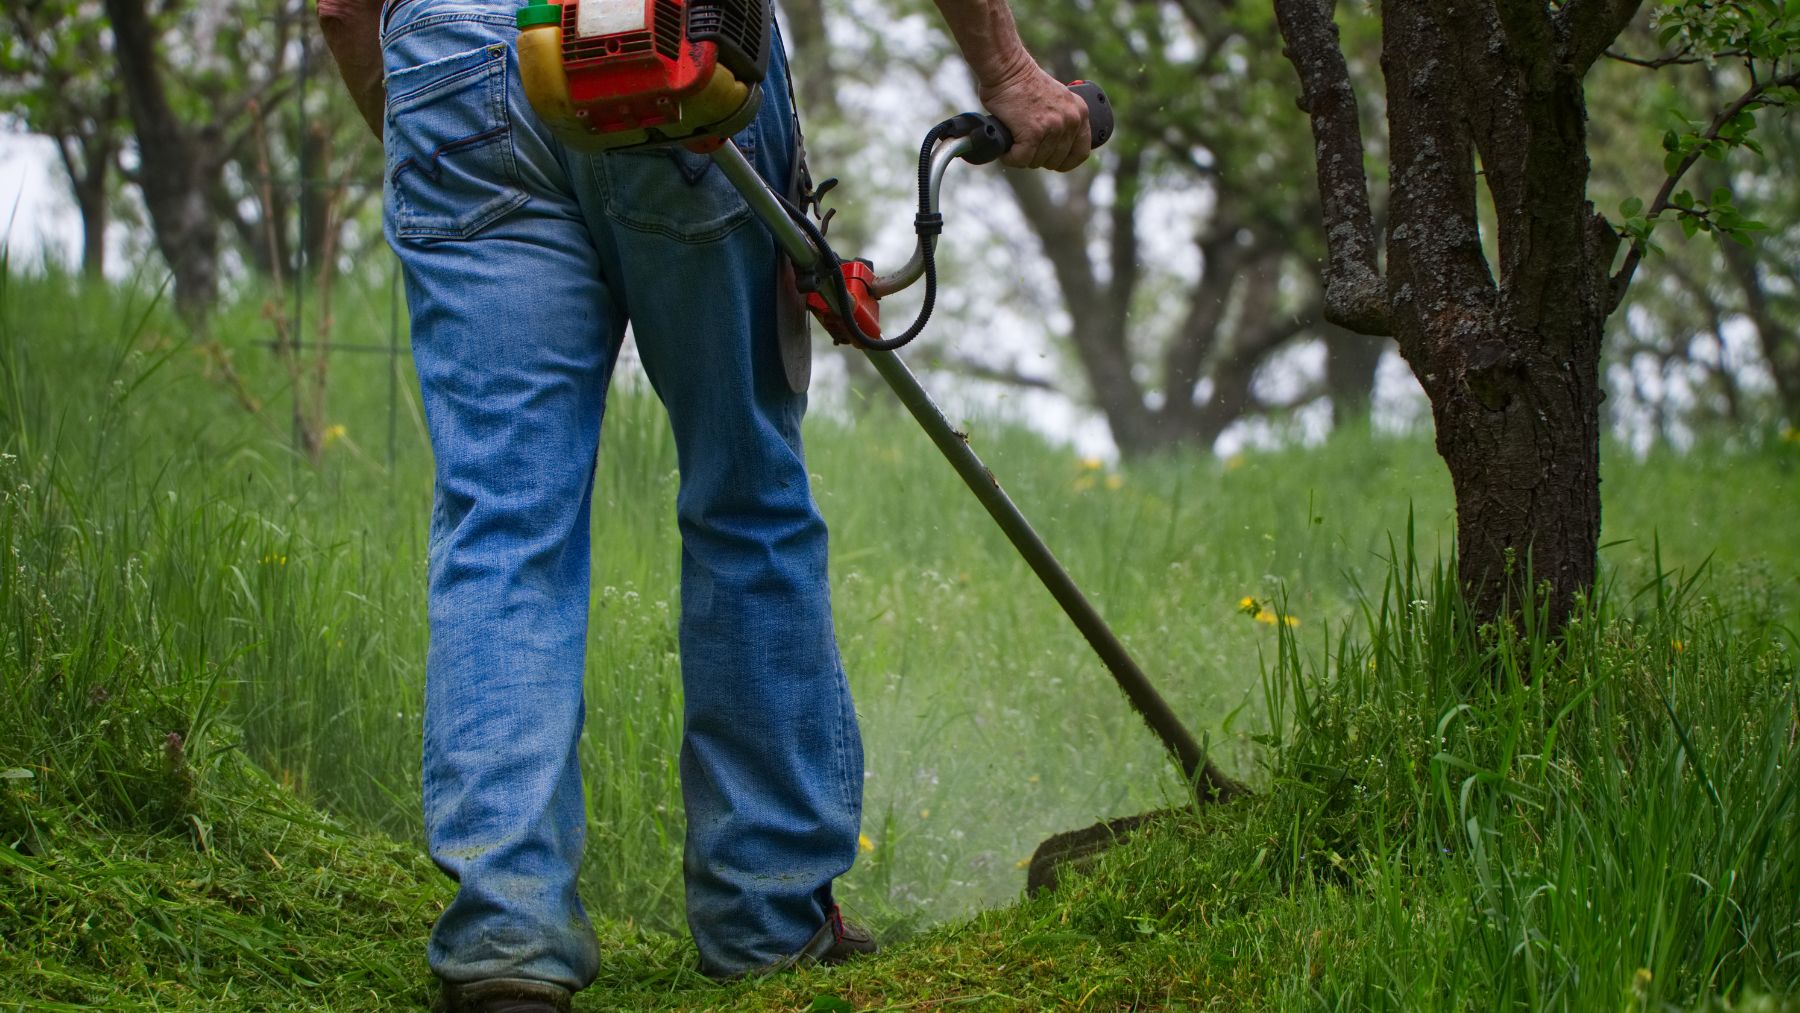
615, 74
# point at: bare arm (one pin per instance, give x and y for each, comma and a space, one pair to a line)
352, 30
1049, 123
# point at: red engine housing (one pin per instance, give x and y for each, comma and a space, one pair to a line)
636, 78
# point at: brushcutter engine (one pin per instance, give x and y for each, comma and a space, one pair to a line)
610, 74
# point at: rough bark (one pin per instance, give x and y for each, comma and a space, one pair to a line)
1353, 295
1511, 365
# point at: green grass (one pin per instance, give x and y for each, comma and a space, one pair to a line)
207, 645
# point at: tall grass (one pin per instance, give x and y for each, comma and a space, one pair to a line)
1463, 816
1620, 804
1460, 816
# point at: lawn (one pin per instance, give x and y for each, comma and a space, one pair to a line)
212, 655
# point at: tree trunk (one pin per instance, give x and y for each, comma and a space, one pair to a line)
90, 193
177, 164
1780, 347
1351, 363
809, 44
93, 239
1513, 371
1231, 326
1511, 366
1520, 435
88, 164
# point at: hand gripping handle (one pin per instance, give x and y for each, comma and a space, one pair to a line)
991, 139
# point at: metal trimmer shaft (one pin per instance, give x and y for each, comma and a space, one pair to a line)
1210, 784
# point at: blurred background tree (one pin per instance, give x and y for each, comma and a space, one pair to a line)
1169, 288
56, 80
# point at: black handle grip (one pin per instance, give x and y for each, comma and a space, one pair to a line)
1100, 113
992, 139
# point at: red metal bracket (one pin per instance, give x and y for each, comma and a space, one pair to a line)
859, 279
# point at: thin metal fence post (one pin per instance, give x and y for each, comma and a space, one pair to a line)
300, 251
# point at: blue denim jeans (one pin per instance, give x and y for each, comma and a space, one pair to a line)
523, 263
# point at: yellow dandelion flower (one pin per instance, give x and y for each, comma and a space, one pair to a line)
1115, 482
334, 433
863, 842
1092, 464
1084, 483
924, 814
1023, 863
1291, 621
1265, 616
1248, 605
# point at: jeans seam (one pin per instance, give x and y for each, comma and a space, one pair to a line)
712, 233
510, 195
390, 34
483, 66
846, 718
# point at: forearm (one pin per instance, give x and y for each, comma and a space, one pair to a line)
989, 39
352, 30
1049, 125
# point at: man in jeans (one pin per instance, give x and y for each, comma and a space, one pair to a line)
524, 260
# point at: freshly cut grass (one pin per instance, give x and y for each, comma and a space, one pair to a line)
250, 900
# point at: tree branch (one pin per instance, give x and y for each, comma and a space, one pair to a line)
1259, 332
1751, 95
1193, 342
1355, 296
1528, 31
962, 365
1677, 59
1591, 26
1099, 339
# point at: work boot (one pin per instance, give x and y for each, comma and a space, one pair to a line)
504, 995
835, 942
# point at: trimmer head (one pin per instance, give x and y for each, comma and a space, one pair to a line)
608, 74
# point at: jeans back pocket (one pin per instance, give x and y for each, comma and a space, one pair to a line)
671, 191
451, 170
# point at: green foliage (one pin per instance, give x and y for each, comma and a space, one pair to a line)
53, 67
1691, 352
1760, 37
1764, 30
